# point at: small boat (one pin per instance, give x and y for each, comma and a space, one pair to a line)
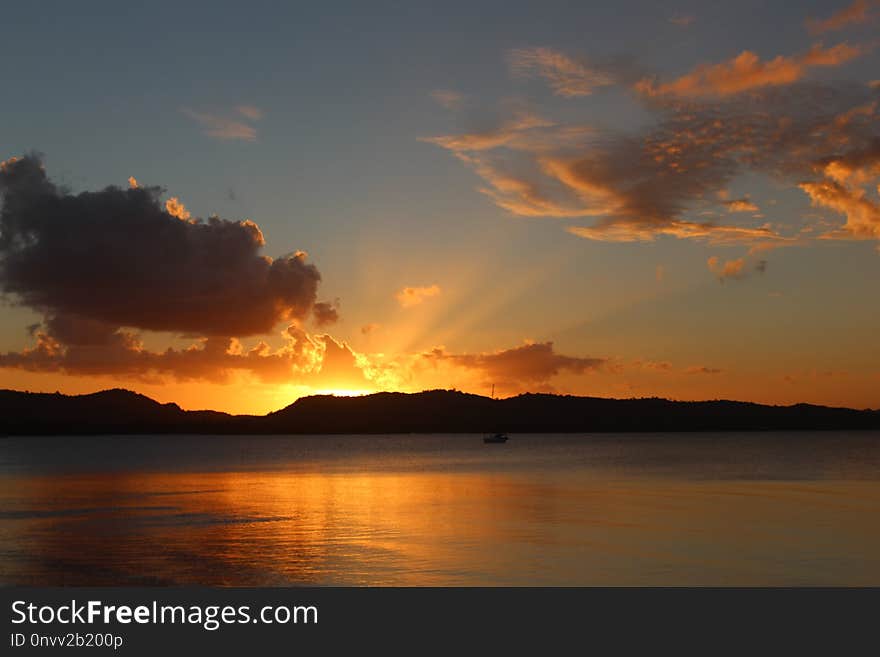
495, 437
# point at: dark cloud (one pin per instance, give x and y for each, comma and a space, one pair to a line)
326, 313
97, 261
529, 363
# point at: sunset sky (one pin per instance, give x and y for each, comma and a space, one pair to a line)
637, 199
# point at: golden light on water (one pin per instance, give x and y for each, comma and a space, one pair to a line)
428, 528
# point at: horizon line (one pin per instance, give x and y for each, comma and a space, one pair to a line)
446, 390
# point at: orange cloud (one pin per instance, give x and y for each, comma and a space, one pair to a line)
76, 347
845, 189
662, 180
524, 131
859, 12
736, 268
567, 77
408, 297
642, 232
657, 366
862, 214
741, 205
728, 269
746, 71
701, 369
175, 208
81, 347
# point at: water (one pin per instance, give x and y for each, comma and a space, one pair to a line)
639, 509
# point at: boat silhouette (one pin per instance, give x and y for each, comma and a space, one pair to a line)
498, 437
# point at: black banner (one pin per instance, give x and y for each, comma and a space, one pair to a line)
203, 621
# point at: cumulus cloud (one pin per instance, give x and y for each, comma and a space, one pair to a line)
747, 71
408, 297
121, 257
567, 77
859, 12
326, 313
84, 347
846, 188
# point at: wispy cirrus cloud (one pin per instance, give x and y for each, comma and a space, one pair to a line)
747, 71
237, 125
716, 234
683, 20
711, 126
702, 369
251, 112
524, 131
448, 98
567, 77
858, 13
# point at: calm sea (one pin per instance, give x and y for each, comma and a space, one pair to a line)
633, 509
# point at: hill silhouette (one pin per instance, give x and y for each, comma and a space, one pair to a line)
435, 411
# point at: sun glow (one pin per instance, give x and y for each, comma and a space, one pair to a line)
344, 392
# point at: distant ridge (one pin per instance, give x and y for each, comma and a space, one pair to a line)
435, 411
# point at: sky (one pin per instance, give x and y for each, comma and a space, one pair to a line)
233, 207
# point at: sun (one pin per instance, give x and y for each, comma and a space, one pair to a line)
344, 392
